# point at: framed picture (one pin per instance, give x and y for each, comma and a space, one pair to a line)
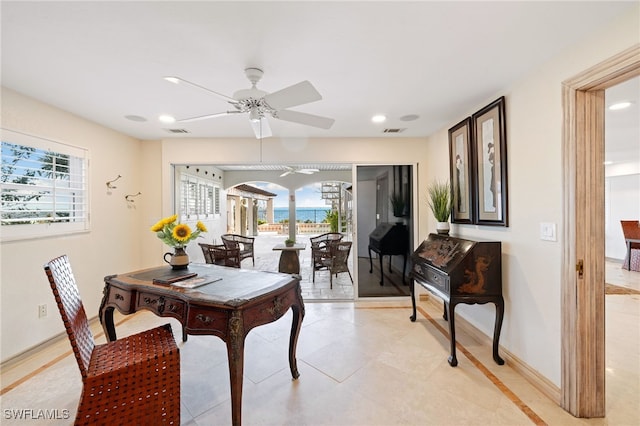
490, 169
460, 165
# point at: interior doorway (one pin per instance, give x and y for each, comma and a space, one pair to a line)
384, 233
583, 264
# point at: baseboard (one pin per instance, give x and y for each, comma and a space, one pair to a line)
34, 350
541, 383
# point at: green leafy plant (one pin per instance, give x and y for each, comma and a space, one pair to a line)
289, 242
440, 200
398, 204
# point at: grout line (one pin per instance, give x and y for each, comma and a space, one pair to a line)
496, 381
57, 359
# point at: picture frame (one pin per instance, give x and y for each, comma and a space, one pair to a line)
490, 166
461, 172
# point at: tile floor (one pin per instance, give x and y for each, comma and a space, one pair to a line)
360, 364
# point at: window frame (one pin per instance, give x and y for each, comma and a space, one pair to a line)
51, 228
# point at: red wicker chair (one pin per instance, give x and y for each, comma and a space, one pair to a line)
133, 380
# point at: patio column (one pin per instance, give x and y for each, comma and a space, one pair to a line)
292, 214
269, 210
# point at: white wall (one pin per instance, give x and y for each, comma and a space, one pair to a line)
112, 245
531, 267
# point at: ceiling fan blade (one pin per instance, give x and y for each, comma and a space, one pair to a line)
304, 118
204, 117
307, 171
298, 94
261, 128
178, 80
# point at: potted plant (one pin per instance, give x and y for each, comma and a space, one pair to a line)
440, 203
289, 242
398, 204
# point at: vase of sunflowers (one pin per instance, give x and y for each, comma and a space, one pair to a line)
177, 235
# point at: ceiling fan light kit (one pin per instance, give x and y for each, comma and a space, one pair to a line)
258, 104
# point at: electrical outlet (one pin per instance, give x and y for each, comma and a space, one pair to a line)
42, 311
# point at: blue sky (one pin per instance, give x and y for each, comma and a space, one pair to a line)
308, 196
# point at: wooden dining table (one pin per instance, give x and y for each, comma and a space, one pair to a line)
224, 302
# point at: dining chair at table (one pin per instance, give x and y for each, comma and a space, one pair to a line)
321, 247
241, 242
132, 380
219, 254
338, 261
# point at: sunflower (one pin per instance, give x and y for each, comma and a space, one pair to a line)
181, 233
201, 227
158, 226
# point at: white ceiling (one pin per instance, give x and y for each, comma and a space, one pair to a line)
439, 60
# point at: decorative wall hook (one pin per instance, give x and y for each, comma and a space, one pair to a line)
130, 196
109, 184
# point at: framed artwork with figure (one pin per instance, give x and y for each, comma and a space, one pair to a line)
490, 168
461, 172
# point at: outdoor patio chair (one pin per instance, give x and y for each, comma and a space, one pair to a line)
133, 380
220, 255
338, 261
242, 243
321, 250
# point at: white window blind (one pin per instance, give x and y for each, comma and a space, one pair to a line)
199, 198
43, 187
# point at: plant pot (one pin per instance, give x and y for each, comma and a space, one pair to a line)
179, 258
443, 228
289, 244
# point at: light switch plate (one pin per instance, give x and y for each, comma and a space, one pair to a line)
548, 231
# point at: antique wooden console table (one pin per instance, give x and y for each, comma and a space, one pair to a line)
229, 304
460, 271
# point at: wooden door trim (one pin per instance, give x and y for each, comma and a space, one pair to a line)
582, 316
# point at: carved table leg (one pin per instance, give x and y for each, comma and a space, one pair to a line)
381, 270
445, 316
235, 352
296, 324
106, 319
412, 291
496, 331
453, 361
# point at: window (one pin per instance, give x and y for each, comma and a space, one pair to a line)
43, 187
199, 198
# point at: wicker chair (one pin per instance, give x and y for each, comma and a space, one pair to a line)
338, 261
321, 250
242, 243
220, 255
133, 380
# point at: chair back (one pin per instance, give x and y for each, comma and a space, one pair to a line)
630, 229
71, 309
327, 238
206, 251
340, 255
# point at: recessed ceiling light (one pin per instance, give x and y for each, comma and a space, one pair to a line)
166, 118
135, 118
607, 163
379, 118
409, 117
620, 105
174, 80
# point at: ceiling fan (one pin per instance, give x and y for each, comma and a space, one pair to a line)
258, 104
292, 170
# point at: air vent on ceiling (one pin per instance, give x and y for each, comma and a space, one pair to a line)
177, 130
393, 130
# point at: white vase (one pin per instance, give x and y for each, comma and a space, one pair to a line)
442, 228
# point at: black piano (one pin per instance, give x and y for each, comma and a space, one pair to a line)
389, 239
460, 271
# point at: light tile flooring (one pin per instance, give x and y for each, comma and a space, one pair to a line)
360, 364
